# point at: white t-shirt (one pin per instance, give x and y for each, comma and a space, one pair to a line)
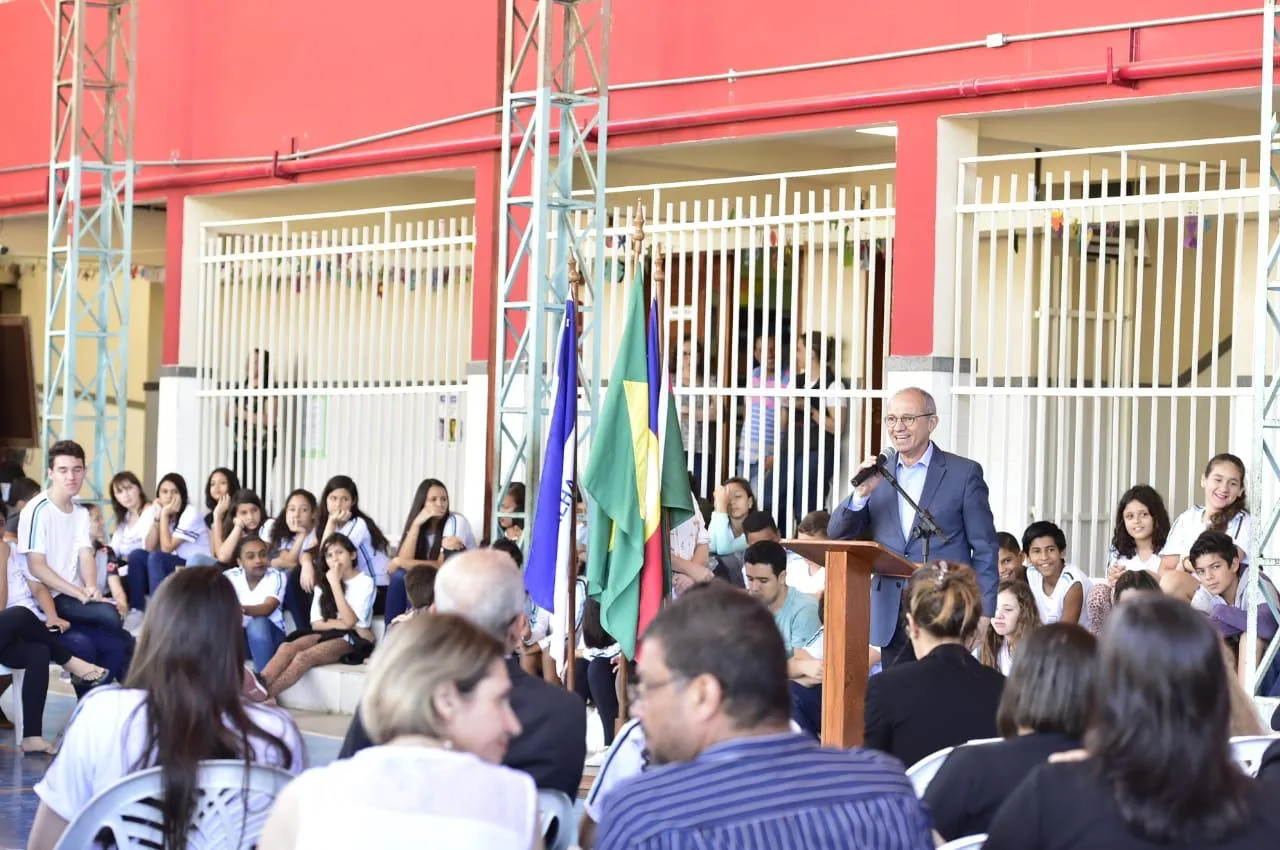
132, 533
270, 586
626, 758
193, 533
359, 592
799, 577
1191, 523
689, 535
18, 580
370, 560
815, 647
107, 736
410, 796
1151, 564
1051, 604
58, 535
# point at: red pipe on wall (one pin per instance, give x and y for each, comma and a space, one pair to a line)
1109, 74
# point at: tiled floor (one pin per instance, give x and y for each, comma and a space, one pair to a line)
18, 773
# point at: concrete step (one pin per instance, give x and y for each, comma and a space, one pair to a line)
331, 689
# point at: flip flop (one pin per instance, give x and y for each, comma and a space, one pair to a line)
92, 681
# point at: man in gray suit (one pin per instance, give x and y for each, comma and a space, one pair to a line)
949, 487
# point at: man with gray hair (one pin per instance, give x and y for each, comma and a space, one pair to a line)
485, 587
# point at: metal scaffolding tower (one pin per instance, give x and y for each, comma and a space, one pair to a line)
1264, 487
91, 171
548, 117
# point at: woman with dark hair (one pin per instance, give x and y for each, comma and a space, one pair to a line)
816, 454
254, 423
340, 514
180, 705
947, 697
595, 676
432, 533
175, 539
1043, 710
238, 518
286, 537
1158, 769
341, 619
219, 488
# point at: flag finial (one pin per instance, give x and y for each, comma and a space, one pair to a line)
575, 278
659, 265
637, 236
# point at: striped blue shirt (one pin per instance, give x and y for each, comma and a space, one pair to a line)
774, 792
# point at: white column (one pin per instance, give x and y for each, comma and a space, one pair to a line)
475, 427
957, 138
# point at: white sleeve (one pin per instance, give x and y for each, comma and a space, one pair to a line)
359, 535
462, 529
624, 760
31, 534
360, 596
186, 528
704, 538
69, 783
84, 531
315, 603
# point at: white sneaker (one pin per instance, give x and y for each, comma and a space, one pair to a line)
133, 623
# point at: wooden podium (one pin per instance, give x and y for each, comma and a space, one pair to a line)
847, 606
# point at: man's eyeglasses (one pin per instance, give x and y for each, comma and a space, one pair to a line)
637, 692
907, 419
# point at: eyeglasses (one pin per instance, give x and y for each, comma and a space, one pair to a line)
907, 419
637, 692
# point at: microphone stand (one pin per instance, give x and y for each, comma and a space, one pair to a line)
926, 527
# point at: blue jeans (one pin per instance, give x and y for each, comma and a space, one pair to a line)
296, 600
806, 707
135, 581
160, 565
109, 648
263, 638
397, 597
96, 614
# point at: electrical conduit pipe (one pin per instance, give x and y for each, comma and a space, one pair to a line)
1106, 75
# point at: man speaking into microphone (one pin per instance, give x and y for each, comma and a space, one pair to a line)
949, 488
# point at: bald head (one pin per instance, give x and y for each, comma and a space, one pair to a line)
485, 587
922, 398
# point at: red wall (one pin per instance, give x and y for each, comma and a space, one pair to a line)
242, 77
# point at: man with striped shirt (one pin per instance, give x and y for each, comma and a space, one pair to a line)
714, 704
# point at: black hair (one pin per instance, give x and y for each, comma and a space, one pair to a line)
66, 448
280, 525
117, 480
1121, 540
814, 524
1043, 528
233, 486
245, 540
180, 484
328, 602
757, 521
502, 544
718, 630
1007, 542
23, 490
244, 497
433, 528
1052, 683
1134, 580
420, 587
1213, 543
1161, 725
344, 482
767, 553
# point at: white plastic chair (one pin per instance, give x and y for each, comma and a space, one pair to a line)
555, 815
223, 818
968, 842
16, 690
922, 772
1247, 750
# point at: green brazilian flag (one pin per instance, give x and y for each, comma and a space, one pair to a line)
635, 497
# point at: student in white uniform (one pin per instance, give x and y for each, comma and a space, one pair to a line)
1057, 588
1225, 509
432, 532
260, 590
181, 700
1017, 615
1141, 530
341, 619
286, 536
340, 514
177, 534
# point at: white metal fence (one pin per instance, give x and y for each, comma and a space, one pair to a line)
768, 260
1100, 327
360, 323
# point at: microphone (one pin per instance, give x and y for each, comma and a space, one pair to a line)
864, 475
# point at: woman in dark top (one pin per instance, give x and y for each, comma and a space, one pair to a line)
1158, 770
1043, 711
947, 697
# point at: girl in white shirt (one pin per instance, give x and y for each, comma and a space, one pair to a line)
219, 489
181, 704
241, 517
1016, 616
1141, 530
432, 533
1225, 509
340, 514
177, 534
286, 536
341, 613
690, 547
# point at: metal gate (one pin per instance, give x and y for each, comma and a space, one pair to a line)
357, 325
1096, 327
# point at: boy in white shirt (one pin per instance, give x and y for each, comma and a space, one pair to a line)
54, 536
260, 590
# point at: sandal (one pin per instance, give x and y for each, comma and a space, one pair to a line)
44, 748
91, 681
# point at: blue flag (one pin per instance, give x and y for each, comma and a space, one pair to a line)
547, 574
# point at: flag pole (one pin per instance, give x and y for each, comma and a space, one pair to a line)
571, 633
621, 679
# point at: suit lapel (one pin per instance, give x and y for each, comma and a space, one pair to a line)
887, 493
933, 478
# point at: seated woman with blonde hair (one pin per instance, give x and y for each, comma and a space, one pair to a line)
436, 706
